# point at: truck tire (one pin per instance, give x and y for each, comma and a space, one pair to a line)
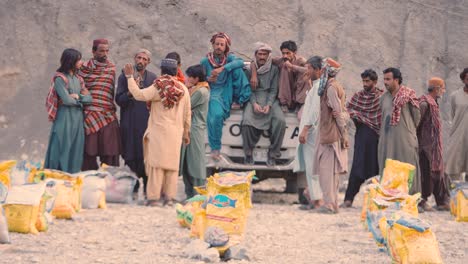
291, 184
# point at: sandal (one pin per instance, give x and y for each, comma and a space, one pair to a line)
155, 203
306, 207
170, 203
326, 210
346, 204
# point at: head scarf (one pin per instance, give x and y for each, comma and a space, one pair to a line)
224, 36
96, 42
267, 66
170, 90
144, 51
210, 55
331, 69
436, 82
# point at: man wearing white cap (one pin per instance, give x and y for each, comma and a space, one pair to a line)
134, 114
263, 111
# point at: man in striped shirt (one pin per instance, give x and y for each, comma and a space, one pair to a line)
101, 124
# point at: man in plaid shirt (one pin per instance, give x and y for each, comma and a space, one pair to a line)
101, 124
364, 110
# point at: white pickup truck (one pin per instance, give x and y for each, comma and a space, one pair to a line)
232, 153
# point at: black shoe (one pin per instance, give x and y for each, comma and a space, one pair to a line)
271, 162
249, 160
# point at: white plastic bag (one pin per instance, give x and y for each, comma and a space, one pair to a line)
119, 185
94, 189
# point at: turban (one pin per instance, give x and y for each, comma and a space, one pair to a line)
224, 36
262, 46
169, 63
436, 82
145, 51
267, 66
332, 67
96, 42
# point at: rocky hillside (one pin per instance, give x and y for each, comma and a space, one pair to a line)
423, 38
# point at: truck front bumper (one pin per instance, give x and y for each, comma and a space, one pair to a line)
226, 163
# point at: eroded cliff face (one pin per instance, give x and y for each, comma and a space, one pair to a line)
423, 38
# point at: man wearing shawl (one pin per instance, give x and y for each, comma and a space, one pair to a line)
65, 100
331, 157
457, 155
168, 126
400, 118
364, 110
263, 111
101, 124
134, 115
430, 148
193, 161
228, 84
293, 86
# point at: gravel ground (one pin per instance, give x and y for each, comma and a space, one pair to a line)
277, 232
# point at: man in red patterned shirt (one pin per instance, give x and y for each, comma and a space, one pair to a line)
364, 110
101, 124
400, 118
433, 180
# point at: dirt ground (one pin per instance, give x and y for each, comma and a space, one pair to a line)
277, 232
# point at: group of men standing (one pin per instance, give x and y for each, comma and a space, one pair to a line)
395, 124
164, 120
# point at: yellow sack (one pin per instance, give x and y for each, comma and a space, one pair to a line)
364, 206
76, 180
462, 205
5, 170
200, 190
21, 218
410, 240
397, 175
366, 201
22, 207
228, 205
383, 226
198, 226
410, 204
63, 207
42, 223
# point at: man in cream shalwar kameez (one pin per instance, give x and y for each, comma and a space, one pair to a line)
304, 161
168, 124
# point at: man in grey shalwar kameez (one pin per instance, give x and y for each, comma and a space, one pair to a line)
400, 118
263, 111
457, 154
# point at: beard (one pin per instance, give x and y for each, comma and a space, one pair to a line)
368, 88
101, 59
140, 67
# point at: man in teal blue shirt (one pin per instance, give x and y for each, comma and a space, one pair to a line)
228, 85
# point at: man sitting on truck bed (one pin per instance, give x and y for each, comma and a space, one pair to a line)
228, 86
263, 112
